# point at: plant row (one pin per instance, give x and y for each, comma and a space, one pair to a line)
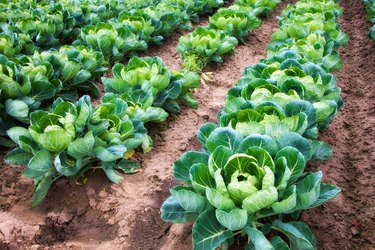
32, 82
249, 179
370, 7
65, 138
114, 27
225, 30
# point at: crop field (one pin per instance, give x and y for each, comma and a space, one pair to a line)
187, 124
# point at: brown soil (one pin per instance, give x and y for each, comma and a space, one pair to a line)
96, 214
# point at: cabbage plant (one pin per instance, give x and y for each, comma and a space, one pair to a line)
150, 88
204, 45
13, 44
288, 72
260, 6
73, 138
141, 24
113, 41
234, 22
237, 186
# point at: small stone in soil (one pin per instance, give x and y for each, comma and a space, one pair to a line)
354, 231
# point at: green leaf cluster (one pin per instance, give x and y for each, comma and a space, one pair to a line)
220, 37
314, 35
74, 137
150, 88
32, 83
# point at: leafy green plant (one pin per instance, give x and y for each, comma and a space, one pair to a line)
260, 6
142, 25
31, 83
205, 45
238, 184
13, 44
73, 138
234, 22
113, 42
150, 88
287, 72
315, 36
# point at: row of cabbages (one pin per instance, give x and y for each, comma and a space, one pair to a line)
65, 138
27, 25
370, 7
249, 179
225, 29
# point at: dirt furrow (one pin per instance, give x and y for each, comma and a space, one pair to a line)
347, 222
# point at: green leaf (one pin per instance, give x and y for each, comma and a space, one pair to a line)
112, 173
295, 161
297, 141
299, 235
188, 199
257, 140
279, 244
208, 233
218, 200
18, 157
42, 161
257, 239
70, 70
308, 190
81, 146
288, 203
16, 108
42, 90
201, 178
223, 137
262, 156
41, 189
259, 200
204, 132
16, 132
111, 153
172, 211
244, 164
181, 167
327, 192
218, 159
234, 220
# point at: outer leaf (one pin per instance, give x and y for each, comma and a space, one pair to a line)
300, 237
172, 211
201, 178
18, 157
223, 137
181, 167
257, 239
41, 189
208, 233
188, 199
295, 160
218, 159
308, 190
